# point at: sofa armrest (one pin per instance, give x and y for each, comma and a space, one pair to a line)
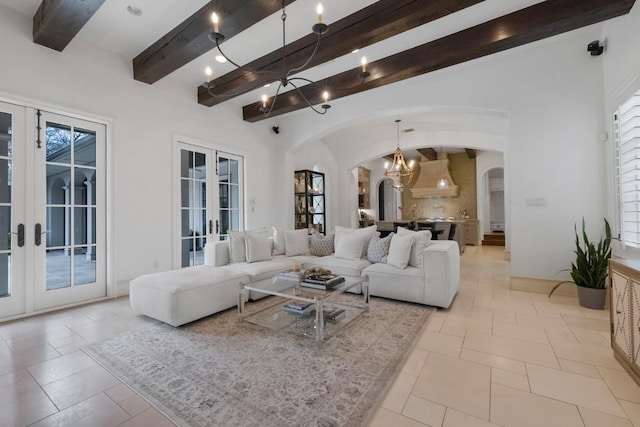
216, 254
441, 265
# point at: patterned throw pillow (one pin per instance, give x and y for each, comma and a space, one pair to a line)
320, 245
378, 248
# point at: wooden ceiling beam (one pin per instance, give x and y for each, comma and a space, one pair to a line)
56, 22
429, 153
471, 153
542, 20
190, 39
376, 22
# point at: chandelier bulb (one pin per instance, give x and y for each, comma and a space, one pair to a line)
264, 102
216, 21
319, 12
363, 62
209, 72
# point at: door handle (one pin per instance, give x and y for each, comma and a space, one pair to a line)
20, 235
210, 227
39, 233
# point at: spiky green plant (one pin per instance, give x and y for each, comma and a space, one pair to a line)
590, 268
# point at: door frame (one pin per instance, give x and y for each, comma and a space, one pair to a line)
113, 287
178, 141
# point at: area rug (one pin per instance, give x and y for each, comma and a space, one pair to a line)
220, 372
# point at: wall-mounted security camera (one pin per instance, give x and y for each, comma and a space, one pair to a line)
275, 130
595, 48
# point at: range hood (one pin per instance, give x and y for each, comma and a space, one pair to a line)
431, 172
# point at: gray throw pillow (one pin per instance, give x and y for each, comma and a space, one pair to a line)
378, 248
320, 245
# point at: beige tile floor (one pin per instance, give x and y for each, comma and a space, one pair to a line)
496, 358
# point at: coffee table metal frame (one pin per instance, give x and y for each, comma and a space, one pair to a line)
293, 290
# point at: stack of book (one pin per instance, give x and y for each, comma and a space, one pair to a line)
323, 281
298, 307
289, 275
330, 314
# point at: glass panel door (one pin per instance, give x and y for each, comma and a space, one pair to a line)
70, 212
194, 217
12, 189
230, 194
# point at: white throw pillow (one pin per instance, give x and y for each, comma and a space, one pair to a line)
278, 241
400, 250
258, 246
349, 247
296, 242
365, 234
237, 246
422, 240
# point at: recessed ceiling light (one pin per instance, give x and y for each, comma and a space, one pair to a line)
135, 11
355, 51
267, 85
221, 59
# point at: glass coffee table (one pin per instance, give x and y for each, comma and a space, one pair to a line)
318, 319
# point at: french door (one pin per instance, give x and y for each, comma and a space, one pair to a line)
211, 199
54, 204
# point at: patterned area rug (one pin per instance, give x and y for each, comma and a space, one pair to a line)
219, 372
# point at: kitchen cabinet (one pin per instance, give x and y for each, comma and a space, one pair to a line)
309, 210
624, 306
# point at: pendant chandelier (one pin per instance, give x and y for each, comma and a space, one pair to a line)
283, 78
398, 173
442, 184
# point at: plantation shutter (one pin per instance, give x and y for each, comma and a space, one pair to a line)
627, 170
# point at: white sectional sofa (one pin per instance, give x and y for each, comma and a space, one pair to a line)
181, 296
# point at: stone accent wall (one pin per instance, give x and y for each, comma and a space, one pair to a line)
463, 173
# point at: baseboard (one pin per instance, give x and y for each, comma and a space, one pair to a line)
542, 286
122, 288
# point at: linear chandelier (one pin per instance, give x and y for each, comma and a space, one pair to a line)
284, 78
398, 173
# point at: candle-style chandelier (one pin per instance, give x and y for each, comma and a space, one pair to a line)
286, 76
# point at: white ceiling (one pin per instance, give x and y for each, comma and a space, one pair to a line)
113, 28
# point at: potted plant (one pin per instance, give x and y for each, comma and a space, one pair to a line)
589, 271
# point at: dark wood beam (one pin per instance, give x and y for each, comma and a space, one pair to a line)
56, 22
190, 39
542, 20
471, 153
376, 22
429, 153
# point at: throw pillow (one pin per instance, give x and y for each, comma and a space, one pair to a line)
378, 248
363, 233
400, 250
349, 247
296, 242
422, 240
278, 241
320, 245
237, 246
258, 246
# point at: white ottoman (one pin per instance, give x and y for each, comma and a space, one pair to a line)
182, 296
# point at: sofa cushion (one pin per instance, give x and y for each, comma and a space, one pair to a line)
258, 246
392, 272
263, 269
400, 250
378, 248
237, 246
187, 278
296, 242
364, 233
422, 240
350, 246
278, 241
340, 266
320, 245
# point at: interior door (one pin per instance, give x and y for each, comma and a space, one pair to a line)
12, 211
69, 230
230, 199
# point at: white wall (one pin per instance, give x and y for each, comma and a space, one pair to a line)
551, 95
92, 82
